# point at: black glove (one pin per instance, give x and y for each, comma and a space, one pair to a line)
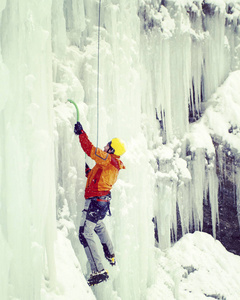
78, 128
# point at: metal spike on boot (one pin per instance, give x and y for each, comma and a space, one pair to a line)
98, 277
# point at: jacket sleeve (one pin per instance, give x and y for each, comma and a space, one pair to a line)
96, 154
85, 143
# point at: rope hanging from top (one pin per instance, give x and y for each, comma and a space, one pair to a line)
98, 67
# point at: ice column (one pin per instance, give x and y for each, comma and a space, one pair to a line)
197, 170
27, 208
215, 49
204, 188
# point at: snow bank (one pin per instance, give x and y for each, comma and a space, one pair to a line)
196, 267
222, 115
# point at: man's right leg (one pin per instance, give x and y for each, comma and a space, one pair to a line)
86, 238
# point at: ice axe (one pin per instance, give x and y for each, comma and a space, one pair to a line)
71, 101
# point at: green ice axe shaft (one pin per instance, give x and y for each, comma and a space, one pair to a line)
71, 101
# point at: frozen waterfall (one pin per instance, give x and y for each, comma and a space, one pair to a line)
169, 87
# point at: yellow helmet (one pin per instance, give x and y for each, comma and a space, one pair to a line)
118, 146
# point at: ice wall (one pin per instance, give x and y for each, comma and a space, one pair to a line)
172, 57
130, 226
160, 61
28, 222
187, 51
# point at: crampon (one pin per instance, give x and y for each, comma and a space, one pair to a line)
98, 277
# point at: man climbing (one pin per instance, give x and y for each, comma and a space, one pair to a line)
97, 194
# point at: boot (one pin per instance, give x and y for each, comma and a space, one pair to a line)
97, 277
111, 259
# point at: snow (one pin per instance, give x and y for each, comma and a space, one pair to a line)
157, 63
222, 115
196, 267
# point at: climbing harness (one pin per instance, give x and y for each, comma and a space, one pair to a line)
98, 210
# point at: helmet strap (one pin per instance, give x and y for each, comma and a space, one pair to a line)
110, 150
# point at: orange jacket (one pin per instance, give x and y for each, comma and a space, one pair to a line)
104, 174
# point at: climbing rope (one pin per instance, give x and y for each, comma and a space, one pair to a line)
98, 67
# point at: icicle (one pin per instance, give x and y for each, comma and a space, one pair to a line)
238, 193
165, 211
213, 195
197, 187
214, 73
184, 206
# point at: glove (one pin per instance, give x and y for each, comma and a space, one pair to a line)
78, 128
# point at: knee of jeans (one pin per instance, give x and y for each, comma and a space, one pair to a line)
81, 236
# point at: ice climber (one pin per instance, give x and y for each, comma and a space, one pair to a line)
100, 180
